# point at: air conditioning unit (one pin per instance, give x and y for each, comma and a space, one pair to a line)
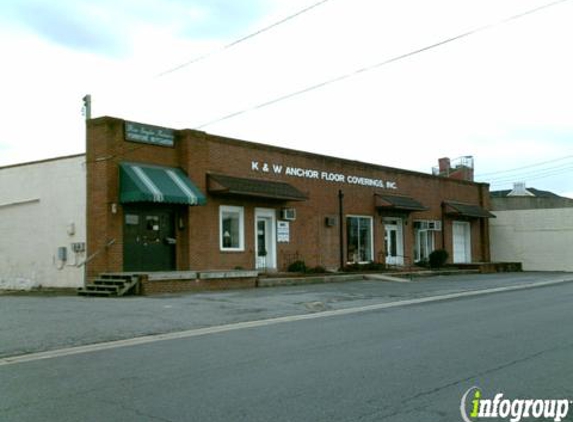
435, 225
288, 214
330, 221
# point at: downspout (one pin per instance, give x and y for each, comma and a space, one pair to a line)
87, 101
443, 225
484, 227
341, 227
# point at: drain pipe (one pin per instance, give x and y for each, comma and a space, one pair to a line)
341, 227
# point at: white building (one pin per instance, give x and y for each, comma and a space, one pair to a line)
532, 227
42, 224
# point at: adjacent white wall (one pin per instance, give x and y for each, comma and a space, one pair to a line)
541, 239
42, 207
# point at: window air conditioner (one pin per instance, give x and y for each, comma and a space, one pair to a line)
288, 214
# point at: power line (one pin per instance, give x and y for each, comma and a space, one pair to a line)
529, 173
524, 167
551, 171
541, 176
380, 64
240, 40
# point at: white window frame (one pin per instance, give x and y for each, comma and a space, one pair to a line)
430, 236
369, 217
397, 260
235, 210
466, 227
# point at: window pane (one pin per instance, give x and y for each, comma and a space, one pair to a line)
230, 229
365, 243
358, 239
352, 239
423, 245
261, 238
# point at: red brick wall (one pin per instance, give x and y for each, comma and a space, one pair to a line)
176, 286
310, 239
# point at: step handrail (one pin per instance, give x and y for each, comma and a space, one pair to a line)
92, 256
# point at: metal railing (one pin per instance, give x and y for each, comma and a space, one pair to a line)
96, 253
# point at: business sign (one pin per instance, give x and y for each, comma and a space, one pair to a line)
155, 135
307, 173
283, 231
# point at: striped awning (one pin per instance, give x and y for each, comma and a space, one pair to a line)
158, 184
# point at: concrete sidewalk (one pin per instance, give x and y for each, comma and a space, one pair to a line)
34, 323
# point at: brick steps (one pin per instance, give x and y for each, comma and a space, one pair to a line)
110, 285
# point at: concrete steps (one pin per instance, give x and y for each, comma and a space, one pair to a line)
110, 285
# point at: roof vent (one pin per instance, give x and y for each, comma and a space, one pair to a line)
519, 189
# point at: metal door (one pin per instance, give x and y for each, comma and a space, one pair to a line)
149, 240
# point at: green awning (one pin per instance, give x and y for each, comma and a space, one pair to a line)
150, 183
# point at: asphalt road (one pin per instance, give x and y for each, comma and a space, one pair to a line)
34, 323
399, 364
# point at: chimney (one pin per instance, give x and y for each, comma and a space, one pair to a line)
444, 166
519, 189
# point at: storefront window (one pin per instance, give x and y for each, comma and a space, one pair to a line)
424, 244
231, 228
359, 239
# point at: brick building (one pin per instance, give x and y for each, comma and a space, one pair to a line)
161, 199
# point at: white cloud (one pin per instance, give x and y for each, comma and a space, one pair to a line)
501, 95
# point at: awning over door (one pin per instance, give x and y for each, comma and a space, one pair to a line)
458, 209
150, 183
398, 203
240, 186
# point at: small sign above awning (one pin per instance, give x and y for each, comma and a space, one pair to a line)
158, 184
240, 186
398, 203
466, 210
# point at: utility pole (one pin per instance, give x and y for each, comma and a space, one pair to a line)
87, 106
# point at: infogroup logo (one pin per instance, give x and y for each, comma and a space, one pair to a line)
513, 409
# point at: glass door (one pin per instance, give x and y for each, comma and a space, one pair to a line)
265, 239
393, 242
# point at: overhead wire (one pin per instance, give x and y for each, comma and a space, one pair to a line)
347, 75
552, 171
380, 64
242, 39
524, 167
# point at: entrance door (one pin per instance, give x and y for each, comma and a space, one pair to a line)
462, 242
393, 241
148, 240
265, 239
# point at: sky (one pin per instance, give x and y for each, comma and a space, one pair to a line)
502, 92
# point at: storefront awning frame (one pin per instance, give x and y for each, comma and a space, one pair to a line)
219, 184
398, 203
459, 209
149, 183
